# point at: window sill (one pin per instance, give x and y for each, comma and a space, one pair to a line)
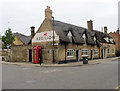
70, 56
84, 55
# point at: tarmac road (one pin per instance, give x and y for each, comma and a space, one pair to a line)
96, 76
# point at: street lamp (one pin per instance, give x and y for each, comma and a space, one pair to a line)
102, 41
53, 41
7, 52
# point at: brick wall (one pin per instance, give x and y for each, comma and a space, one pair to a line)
116, 38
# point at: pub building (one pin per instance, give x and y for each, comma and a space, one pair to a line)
71, 43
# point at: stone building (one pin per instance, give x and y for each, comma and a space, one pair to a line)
116, 38
71, 42
21, 50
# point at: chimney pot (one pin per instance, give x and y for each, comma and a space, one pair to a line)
48, 13
105, 29
32, 32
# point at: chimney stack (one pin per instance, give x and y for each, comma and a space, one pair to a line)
90, 25
105, 30
32, 32
48, 13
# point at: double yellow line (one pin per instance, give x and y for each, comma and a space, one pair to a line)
117, 88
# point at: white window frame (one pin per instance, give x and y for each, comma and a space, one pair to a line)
70, 36
95, 52
113, 51
94, 38
107, 39
70, 52
85, 52
111, 40
108, 51
84, 36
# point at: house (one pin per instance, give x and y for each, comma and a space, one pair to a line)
71, 42
116, 38
21, 50
21, 39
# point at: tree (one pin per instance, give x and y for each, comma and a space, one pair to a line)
0, 37
8, 38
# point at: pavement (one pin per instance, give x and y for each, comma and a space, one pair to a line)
80, 63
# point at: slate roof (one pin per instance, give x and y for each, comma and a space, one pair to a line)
25, 39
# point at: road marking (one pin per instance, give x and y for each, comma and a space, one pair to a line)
50, 71
117, 88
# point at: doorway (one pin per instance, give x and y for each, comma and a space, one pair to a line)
91, 54
104, 53
77, 55
30, 55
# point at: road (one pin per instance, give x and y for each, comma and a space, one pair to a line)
97, 76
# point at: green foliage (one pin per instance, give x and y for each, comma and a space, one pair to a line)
8, 38
0, 37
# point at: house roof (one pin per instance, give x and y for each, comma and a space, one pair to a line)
25, 39
101, 37
62, 29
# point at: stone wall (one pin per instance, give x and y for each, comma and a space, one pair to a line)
20, 53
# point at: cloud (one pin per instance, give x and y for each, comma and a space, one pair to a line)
21, 14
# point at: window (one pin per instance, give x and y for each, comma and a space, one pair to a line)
107, 40
94, 38
95, 52
112, 51
84, 36
70, 53
108, 51
35, 55
70, 36
111, 40
85, 52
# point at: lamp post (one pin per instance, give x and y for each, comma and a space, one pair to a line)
102, 41
7, 52
53, 41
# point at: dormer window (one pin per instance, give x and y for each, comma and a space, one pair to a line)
70, 36
107, 40
84, 36
94, 38
111, 40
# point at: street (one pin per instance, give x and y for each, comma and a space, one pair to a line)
98, 76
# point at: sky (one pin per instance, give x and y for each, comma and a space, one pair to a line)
20, 15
